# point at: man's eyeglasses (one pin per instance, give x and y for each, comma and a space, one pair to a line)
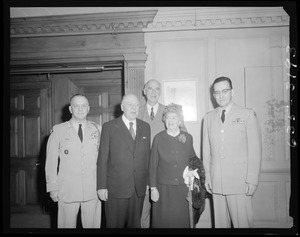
224, 91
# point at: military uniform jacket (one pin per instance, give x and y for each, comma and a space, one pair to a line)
76, 176
232, 151
123, 162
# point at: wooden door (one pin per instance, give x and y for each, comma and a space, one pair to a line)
29, 128
104, 91
34, 108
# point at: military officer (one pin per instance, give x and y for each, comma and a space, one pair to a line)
232, 153
71, 167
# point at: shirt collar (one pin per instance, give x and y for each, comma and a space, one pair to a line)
155, 108
76, 124
226, 108
126, 121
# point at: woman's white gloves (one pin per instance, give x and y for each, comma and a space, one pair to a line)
189, 176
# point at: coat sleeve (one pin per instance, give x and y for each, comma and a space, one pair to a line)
52, 154
103, 155
153, 163
254, 149
206, 148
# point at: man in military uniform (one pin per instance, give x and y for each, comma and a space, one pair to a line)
232, 153
71, 167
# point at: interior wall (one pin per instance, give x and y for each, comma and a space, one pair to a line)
240, 54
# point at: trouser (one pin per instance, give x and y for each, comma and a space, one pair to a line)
90, 214
124, 212
145, 220
233, 208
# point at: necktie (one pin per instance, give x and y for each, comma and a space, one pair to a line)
80, 132
131, 130
152, 114
223, 115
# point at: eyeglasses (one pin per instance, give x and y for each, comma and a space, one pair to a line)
224, 91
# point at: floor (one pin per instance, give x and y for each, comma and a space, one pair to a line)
30, 221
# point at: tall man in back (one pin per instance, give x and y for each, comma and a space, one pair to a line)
232, 153
151, 112
123, 163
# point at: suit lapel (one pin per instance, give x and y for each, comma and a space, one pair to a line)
139, 133
126, 134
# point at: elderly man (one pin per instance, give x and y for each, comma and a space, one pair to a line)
123, 166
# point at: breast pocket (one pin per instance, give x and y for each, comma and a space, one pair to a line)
238, 127
65, 147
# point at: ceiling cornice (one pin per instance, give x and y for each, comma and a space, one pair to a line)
163, 19
218, 17
97, 23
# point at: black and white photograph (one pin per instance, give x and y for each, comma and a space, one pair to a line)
150, 118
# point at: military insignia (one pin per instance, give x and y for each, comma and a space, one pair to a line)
66, 152
238, 120
94, 135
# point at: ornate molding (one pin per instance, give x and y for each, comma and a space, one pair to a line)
199, 18
159, 19
97, 23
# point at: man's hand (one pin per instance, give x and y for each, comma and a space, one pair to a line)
54, 196
250, 189
103, 194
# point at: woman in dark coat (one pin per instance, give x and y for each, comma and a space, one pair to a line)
171, 152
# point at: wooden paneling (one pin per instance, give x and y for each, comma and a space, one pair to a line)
255, 66
29, 122
271, 201
104, 91
254, 60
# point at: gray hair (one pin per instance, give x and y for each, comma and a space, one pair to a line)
173, 108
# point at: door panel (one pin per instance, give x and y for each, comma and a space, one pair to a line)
104, 92
29, 122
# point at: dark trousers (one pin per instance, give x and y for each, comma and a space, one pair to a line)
124, 212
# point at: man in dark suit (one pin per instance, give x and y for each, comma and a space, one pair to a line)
122, 168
